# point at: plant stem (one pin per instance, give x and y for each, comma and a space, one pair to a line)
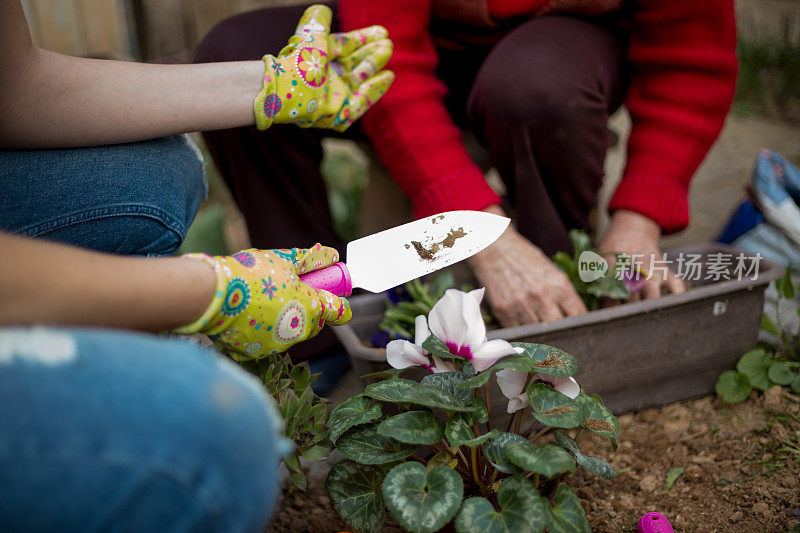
419, 459
474, 457
520, 418
511, 421
488, 406
536, 480
539, 433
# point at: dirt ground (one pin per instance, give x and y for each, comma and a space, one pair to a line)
734, 478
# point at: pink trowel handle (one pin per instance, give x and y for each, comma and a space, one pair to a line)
655, 523
335, 279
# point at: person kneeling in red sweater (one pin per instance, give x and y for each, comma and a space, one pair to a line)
536, 81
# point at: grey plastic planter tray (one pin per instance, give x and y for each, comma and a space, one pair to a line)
634, 355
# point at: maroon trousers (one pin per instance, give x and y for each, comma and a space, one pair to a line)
537, 93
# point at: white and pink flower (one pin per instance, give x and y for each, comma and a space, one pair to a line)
512, 384
403, 354
456, 320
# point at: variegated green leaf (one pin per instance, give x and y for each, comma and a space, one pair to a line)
391, 390
595, 465
414, 427
422, 501
547, 460
596, 416
449, 382
458, 432
355, 493
553, 408
430, 396
493, 451
351, 412
521, 509
548, 359
365, 445
566, 515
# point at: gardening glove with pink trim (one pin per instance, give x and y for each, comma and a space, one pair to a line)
261, 307
322, 80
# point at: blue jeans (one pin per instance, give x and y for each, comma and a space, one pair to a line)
132, 199
113, 431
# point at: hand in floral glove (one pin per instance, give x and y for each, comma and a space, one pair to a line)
322, 80
261, 307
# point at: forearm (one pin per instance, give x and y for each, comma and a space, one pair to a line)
42, 282
86, 102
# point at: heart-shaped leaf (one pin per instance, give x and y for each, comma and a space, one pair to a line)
422, 501
391, 390
493, 450
363, 444
547, 460
780, 373
414, 427
521, 509
596, 416
548, 359
553, 408
755, 365
449, 382
355, 493
430, 396
458, 432
351, 412
733, 386
566, 515
595, 465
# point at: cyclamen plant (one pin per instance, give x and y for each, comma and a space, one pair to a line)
427, 451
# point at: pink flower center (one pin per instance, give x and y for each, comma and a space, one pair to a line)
461, 351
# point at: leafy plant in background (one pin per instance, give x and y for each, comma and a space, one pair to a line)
607, 286
765, 366
346, 178
303, 412
426, 450
769, 73
411, 300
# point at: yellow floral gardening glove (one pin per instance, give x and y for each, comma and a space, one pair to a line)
261, 307
322, 80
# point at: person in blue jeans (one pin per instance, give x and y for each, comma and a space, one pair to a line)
102, 425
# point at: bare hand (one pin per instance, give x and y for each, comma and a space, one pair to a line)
637, 236
522, 285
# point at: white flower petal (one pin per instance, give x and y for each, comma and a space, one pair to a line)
446, 318
489, 352
567, 385
511, 382
516, 403
471, 311
421, 331
403, 354
563, 384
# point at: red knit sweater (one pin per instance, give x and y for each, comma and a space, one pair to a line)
682, 55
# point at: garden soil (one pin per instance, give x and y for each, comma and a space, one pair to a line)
733, 480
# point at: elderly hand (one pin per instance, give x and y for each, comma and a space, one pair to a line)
261, 307
637, 236
322, 80
522, 284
